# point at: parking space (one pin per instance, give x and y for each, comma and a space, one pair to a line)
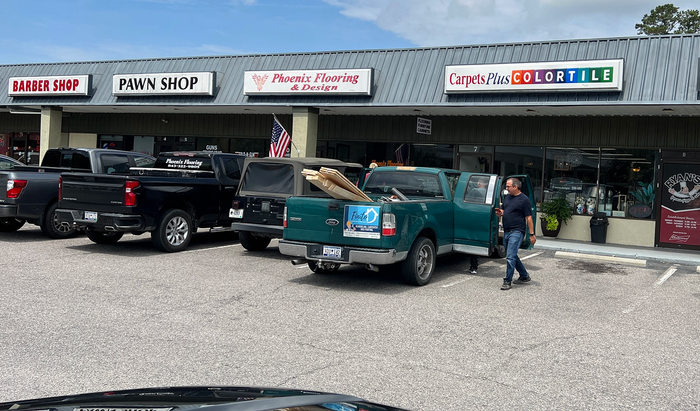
81, 317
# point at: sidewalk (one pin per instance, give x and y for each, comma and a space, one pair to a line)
689, 257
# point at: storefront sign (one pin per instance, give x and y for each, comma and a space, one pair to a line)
160, 84
424, 126
49, 86
587, 75
329, 82
680, 205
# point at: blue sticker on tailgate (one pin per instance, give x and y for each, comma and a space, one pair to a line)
361, 222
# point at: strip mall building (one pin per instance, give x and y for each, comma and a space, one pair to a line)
613, 124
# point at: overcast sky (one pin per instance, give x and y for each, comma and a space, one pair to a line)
47, 31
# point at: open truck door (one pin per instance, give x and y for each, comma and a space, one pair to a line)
475, 223
527, 190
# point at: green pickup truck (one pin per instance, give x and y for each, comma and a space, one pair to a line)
417, 214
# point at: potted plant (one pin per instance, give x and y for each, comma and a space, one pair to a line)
555, 212
644, 197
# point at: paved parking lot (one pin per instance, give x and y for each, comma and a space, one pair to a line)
79, 317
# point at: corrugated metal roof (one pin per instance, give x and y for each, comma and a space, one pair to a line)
659, 70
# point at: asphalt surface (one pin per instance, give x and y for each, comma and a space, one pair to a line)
80, 317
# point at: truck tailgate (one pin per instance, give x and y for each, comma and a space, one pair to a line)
92, 191
324, 221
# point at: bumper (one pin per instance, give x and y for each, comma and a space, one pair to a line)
349, 255
104, 222
8, 210
274, 231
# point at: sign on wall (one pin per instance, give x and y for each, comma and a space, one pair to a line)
290, 82
161, 84
424, 126
680, 205
49, 86
587, 75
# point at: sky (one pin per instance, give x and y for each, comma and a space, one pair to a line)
51, 31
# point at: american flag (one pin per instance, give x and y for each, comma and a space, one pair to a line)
280, 140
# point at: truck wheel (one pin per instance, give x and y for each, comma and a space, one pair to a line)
8, 225
499, 251
54, 229
320, 267
418, 267
251, 242
173, 232
103, 237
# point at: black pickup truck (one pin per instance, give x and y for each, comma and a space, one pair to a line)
32, 191
181, 193
267, 183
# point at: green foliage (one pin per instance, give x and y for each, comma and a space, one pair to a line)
552, 222
557, 208
645, 195
667, 19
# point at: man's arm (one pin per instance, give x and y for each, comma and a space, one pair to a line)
531, 228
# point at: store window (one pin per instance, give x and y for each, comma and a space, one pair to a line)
428, 155
516, 160
572, 173
627, 182
212, 144
250, 147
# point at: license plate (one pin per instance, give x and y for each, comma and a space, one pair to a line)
333, 252
90, 216
235, 213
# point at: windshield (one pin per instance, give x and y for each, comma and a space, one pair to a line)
411, 184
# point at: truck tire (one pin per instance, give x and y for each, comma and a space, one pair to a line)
499, 251
173, 232
52, 228
323, 267
418, 267
251, 242
8, 225
103, 237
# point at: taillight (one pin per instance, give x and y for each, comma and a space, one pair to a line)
14, 187
60, 184
129, 195
284, 217
235, 204
388, 224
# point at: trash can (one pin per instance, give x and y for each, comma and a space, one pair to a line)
599, 228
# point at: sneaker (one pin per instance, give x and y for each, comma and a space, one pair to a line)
472, 270
506, 285
522, 280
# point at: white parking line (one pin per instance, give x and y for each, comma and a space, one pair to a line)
207, 249
666, 275
530, 256
698, 269
456, 282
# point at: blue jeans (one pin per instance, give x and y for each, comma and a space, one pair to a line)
512, 241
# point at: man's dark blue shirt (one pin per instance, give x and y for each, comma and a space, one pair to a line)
515, 210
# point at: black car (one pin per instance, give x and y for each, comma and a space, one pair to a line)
193, 398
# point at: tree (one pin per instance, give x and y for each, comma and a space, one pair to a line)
667, 19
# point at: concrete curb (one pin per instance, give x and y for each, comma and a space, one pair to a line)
601, 258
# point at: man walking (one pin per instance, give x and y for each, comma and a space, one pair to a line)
516, 212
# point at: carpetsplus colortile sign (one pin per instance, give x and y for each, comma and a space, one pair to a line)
587, 75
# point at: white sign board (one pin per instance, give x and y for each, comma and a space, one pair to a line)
292, 82
587, 75
424, 126
162, 84
49, 86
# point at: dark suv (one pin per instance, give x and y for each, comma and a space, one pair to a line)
266, 183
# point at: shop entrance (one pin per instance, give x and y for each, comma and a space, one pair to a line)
174, 144
475, 159
678, 222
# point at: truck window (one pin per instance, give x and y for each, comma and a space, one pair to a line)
184, 162
476, 189
143, 161
52, 158
268, 178
75, 159
409, 183
112, 163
